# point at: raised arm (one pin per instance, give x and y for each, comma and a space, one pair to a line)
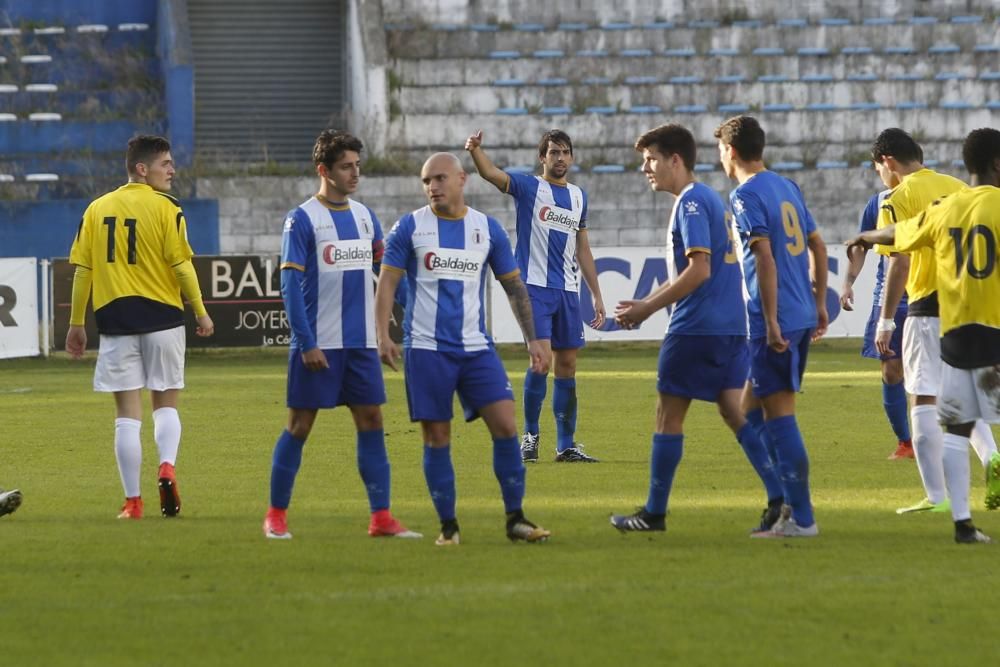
520, 304
484, 165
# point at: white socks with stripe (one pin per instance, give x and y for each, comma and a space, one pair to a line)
927, 446
167, 433
128, 453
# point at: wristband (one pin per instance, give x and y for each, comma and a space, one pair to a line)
886, 324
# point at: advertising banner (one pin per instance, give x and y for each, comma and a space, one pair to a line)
18, 307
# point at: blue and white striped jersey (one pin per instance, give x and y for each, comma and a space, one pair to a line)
335, 247
445, 261
867, 223
548, 219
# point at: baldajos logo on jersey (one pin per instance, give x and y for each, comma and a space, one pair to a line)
564, 222
345, 255
453, 264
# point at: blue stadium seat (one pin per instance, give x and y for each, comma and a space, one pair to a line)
959, 105
967, 19
813, 51
703, 23
834, 22
816, 78
596, 81
690, 79
702, 167
857, 50
910, 105
748, 23
730, 78
864, 106
769, 51
923, 20
552, 81
958, 163
940, 49
512, 111
635, 53
822, 106
793, 23
899, 50
680, 53
906, 76
608, 169
616, 25
529, 27
573, 26
951, 76
691, 108
504, 55
862, 76
879, 20
645, 108
445, 27
508, 82
987, 48
555, 111
591, 53
723, 51
658, 25
989, 76
521, 169
604, 111
484, 27
549, 53
832, 164
641, 80
777, 107
932, 163
734, 108
772, 78
993, 105
787, 166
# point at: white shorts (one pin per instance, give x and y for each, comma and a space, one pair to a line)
922, 355
969, 394
152, 360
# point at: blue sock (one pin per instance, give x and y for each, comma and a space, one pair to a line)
760, 460
509, 470
534, 395
663, 461
564, 407
756, 419
440, 476
373, 464
284, 466
793, 466
894, 400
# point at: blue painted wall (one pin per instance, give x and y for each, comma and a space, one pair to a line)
45, 229
75, 12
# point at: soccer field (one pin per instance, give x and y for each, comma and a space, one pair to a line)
79, 587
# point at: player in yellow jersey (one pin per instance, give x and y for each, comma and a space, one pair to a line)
962, 231
132, 251
897, 159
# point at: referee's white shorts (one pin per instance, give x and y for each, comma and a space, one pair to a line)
969, 394
922, 355
151, 360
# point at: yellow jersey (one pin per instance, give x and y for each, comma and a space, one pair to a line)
915, 193
131, 239
962, 230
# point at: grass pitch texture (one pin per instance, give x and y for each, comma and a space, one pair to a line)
78, 587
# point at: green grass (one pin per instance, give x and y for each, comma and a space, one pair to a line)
78, 587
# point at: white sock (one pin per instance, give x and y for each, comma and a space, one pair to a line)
982, 441
128, 453
956, 472
927, 447
167, 433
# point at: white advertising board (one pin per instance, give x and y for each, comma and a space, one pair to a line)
18, 307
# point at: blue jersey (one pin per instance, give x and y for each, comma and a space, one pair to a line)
548, 219
769, 206
867, 223
698, 224
445, 261
335, 248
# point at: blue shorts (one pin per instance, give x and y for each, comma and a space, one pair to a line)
771, 372
432, 378
702, 367
353, 378
869, 350
556, 314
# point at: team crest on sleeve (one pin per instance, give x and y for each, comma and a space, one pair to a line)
289, 221
691, 207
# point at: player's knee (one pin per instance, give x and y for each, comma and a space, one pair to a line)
368, 418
